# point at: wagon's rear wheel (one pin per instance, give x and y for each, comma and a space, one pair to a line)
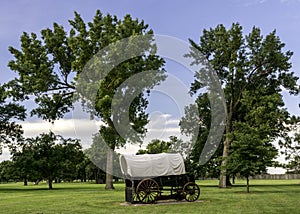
147, 190
191, 191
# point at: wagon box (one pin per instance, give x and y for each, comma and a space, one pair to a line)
149, 176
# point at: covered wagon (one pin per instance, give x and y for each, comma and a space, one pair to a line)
150, 176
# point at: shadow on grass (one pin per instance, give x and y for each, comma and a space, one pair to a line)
31, 188
255, 188
22, 189
271, 188
259, 188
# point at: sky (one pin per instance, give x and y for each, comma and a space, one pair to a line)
179, 19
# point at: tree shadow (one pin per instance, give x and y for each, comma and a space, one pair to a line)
31, 188
271, 188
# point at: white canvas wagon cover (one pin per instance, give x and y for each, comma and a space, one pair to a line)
152, 165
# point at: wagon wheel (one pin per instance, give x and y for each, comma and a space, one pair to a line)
147, 191
191, 191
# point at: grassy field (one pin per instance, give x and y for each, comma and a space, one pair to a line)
267, 196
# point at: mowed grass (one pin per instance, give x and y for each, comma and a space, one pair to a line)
266, 196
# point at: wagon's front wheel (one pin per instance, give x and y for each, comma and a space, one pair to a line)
147, 190
191, 191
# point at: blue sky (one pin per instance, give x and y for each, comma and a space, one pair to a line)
180, 19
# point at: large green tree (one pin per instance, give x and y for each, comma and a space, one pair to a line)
10, 112
244, 64
49, 65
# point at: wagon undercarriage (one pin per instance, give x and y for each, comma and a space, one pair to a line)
150, 190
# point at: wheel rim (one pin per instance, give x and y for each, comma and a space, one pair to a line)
191, 191
147, 191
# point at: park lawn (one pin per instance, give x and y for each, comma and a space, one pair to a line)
266, 196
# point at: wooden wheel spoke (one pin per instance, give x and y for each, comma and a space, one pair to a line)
147, 190
144, 197
153, 184
144, 185
191, 191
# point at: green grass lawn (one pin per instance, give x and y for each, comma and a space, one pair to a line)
266, 196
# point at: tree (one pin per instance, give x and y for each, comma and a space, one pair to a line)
49, 157
251, 152
10, 131
81, 169
47, 64
250, 155
25, 164
97, 154
72, 155
291, 145
156, 146
187, 125
7, 171
244, 64
174, 145
251, 148
294, 165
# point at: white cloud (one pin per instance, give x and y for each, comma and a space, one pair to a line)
65, 127
252, 2
82, 129
161, 126
276, 170
5, 154
257, 2
173, 122
288, 1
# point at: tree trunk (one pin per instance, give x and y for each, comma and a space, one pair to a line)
247, 188
228, 183
50, 183
223, 174
98, 176
25, 182
109, 169
83, 179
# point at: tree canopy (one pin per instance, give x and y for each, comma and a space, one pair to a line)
253, 71
49, 65
156, 146
48, 157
